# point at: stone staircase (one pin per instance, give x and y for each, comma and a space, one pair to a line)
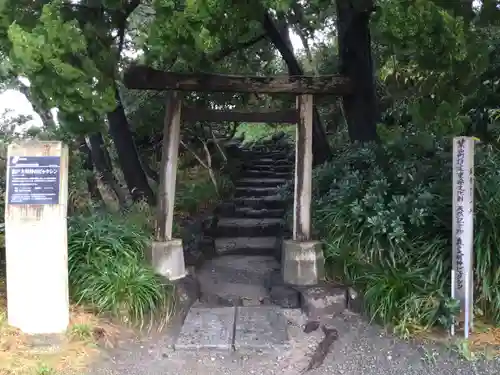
242, 296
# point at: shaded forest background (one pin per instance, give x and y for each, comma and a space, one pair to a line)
383, 158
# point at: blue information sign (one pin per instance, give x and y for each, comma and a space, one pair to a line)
34, 179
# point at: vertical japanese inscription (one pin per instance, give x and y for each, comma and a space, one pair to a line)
33, 180
462, 242
459, 212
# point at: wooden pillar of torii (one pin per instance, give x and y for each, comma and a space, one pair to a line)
302, 258
303, 170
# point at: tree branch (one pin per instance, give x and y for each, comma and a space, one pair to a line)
131, 7
193, 152
225, 52
218, 147
122, 23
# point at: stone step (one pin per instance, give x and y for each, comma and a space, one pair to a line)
207, 328
269, 147
274, 168
239, 269
248, 212
230, 209
270, 158
261, 329
232, 294
240, 263
264, 166
236, 280
247, 245
264, 213
253, 191
269, 202
255, 173
244, 227
271, 161
253, 155
274, 160
261, 182
242, 329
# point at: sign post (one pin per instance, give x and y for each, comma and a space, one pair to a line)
36, 237
463, 227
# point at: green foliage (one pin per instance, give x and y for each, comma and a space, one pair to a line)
54, 56
384, 214
107, 270
487, 232
420, 30
258, 132
197, 29
432, 63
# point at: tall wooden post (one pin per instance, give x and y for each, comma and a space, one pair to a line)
167, 256
168, 173
302, 259
303, 170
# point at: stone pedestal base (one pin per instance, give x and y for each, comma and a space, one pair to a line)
167, 259
302, 263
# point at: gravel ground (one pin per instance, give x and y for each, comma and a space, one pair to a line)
362, 349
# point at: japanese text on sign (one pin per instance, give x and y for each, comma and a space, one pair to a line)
35, 171
459, 212
33, 180
463, 228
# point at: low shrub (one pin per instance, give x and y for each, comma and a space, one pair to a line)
107, 270
196, 191
384, 213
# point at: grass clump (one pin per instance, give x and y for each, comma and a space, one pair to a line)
107, 268
384, 213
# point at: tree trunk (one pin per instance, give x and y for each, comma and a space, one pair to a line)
102, 162
354, 42
94, 191
321, 148
490, 13
45, 114
150, 172
298, 19
281, 24
133, 172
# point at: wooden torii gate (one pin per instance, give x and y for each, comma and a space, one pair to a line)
302, 258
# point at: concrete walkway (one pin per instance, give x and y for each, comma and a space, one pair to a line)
361, 349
